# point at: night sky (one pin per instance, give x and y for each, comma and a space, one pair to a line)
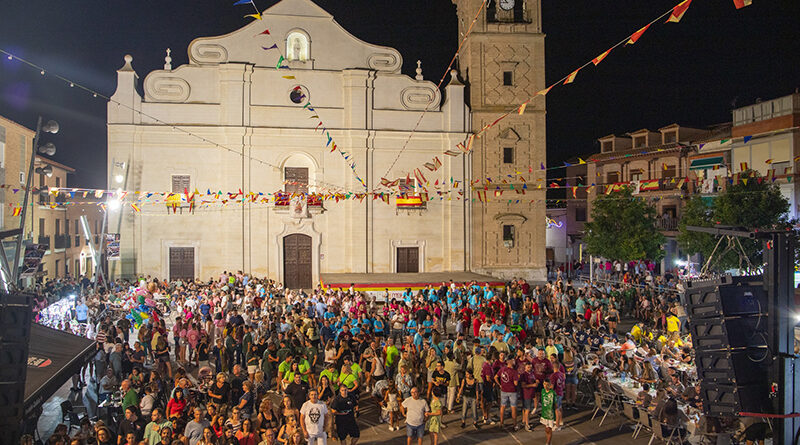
692, 72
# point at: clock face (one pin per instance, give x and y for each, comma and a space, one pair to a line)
507, 4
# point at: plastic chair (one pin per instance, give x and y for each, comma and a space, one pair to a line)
643, 423
658, 433
631, 414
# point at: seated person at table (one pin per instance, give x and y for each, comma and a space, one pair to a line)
644, 398
672, 419
648, 373
691, 395
676, 387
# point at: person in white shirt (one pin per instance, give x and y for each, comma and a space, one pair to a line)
313, 419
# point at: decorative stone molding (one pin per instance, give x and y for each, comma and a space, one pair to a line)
384, 62
207, 53
166, 88
419, 97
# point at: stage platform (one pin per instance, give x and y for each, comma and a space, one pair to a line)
398, 282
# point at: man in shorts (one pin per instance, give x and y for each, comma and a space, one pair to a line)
344, 407
528, 384
548, 415
508, 379
416, 411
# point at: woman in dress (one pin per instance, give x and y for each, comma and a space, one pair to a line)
434, 419
390, 402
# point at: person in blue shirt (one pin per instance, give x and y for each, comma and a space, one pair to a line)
498, 327
427, 324
411, 326
328, 314
378, 327
580, 305
355, 326
407, 296
418, 340
82, 312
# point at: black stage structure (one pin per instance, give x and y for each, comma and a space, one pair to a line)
743, 325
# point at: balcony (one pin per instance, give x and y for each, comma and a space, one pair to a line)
45, 240
667, 224
62, 242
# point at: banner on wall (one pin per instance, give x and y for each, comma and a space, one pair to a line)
112, 246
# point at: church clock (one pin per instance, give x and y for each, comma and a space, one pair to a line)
502, 63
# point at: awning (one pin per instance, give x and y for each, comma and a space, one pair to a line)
703, 163
53, 358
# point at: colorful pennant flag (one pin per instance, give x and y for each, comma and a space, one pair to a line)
17, 211
571, 77
600, 58
266, 31
522, 107
635, 36
746, 139
743, 166
678, 11
267, 48
280, 61
256, 16
742, 3
241, 2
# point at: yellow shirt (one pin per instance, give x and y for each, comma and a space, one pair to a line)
673, 324
636, 332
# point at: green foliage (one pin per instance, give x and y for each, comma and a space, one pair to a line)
623, 228
753, 203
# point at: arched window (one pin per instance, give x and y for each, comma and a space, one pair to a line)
297, 47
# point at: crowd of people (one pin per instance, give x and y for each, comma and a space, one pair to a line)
242, 360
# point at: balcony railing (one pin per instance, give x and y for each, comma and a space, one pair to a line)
62, 242
667, 223
45, 240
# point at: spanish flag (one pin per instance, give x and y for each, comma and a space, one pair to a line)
742, 3
678, 11
743, 166
571, 77
137, 209
522, 107
635, 36
545, 91
600, 58
17, 211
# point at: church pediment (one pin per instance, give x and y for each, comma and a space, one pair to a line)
331, 47
510, 135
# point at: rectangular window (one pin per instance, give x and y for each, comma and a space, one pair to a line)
670, 171
639, 142
66, 227
180, 183
296, 180
636, 175
508, 78
58, 227
606, 147
670, 136
580, 214
781, 168
508, 235
612, 177
41, 181
58, 182
508, 155
41, 227
57, 266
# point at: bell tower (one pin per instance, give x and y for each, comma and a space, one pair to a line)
502, 63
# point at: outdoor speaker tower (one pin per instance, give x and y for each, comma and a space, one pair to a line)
15, 331
728, 323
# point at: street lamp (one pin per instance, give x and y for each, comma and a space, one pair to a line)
47, 170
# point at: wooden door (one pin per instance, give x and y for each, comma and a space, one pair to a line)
407, 259
297, 261
181, 263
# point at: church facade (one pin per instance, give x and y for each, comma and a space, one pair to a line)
232, 121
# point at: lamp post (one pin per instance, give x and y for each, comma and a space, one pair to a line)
48, 149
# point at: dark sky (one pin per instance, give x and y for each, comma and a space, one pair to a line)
692, 73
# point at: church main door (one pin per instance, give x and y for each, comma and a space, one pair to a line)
297, 261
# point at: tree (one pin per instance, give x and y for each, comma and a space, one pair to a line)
623, 228
752, 203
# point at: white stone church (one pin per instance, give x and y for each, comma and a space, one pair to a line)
233, 94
